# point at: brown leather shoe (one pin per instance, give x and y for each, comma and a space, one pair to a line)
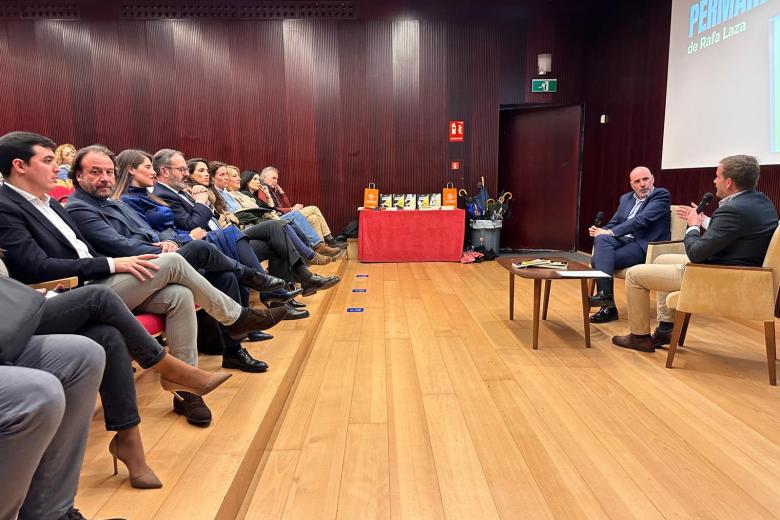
193, 408
661, 337
632, 341
256, 319
321, 259
324, 249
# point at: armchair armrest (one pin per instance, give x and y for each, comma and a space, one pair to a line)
656, 249
728, 291
69, 283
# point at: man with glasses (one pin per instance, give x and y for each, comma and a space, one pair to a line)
115, 229
268, 238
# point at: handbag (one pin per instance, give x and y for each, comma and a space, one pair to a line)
370, 196
21, 309
251, 216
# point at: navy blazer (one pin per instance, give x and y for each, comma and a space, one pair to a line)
652, 223
186, 215
36, 251
739, 232
111, 229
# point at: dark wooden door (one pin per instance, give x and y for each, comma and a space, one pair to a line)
539, 162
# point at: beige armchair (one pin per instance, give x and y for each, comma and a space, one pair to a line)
747, 293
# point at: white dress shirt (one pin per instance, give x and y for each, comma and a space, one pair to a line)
42, 205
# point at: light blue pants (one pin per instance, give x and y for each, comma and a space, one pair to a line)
306, 232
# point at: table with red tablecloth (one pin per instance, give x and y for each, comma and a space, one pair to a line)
411, 236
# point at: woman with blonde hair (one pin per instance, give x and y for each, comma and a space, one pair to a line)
63, 156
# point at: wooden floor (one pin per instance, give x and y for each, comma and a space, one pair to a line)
431, 404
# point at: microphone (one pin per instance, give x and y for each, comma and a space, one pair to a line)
705, 201
599, 218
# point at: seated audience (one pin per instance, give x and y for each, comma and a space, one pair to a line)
43, 243
97, 313
255, 189
268, 239
643, 216
270, 178
115, 229
738, 233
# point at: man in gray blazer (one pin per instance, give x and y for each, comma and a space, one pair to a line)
738, 233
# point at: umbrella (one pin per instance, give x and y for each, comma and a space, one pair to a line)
472, 206
502, 211
481, 198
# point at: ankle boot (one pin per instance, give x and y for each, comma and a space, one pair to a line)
141, 475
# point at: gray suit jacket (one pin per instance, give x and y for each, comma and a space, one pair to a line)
738, 234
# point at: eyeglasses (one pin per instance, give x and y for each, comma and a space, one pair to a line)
180, 169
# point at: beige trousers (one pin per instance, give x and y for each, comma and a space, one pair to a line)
664, 275
317, 221
174, 291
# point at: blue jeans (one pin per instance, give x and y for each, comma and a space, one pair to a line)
300, 224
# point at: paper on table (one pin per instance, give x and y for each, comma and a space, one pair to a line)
583, 274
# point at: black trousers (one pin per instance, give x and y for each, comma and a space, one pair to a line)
269, 242
95, 311
221, 271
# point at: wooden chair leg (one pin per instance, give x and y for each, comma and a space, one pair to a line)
684, 330
592, 287
771, 351
546, 300
678, 325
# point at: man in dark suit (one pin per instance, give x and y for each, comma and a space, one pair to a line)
642, 217
267, 239
42, 243
738, 233
115, 229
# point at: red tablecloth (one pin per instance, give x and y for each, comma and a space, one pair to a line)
411, 236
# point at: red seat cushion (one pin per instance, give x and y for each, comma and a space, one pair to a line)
153, 323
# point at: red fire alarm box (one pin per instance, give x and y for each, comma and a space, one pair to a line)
456, 131
455, 165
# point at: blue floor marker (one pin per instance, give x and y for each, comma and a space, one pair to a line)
354, 309
359, 290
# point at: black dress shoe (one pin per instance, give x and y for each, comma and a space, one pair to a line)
73, 514
292, 312
258, 335
280, 296
318, 283
260, 281
634, 342
193, 408
297, 304
661, 337
243, 360
602, 299
604, 315
256, 319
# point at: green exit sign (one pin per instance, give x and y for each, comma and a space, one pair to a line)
544, 85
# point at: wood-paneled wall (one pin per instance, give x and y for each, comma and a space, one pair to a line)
333, 104
338, 104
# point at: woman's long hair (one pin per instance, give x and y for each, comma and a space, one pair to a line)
220, 206
125, 161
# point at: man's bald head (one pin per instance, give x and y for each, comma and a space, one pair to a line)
641, 181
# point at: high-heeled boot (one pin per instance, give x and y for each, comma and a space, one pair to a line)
176, 375
140, 478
